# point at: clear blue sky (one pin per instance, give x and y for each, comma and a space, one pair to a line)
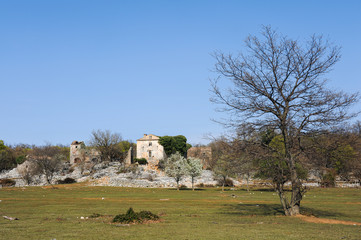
135, 67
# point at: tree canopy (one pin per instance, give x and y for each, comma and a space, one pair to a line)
174, 144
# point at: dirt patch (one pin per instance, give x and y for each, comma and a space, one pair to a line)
313, 219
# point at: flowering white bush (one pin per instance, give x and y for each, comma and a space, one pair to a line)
176, 166
194, 168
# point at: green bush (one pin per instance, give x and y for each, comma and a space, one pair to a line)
147, 215
161, 164
20, 159
328, 180
66, 181
133, 217
95, 215
141, 161
228, 182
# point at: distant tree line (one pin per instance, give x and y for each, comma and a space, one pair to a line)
47, 159
328, 155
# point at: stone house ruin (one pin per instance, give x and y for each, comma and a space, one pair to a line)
149, 148
80, 153
203, 153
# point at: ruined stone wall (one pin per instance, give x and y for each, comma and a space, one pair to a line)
203, 153
80, 153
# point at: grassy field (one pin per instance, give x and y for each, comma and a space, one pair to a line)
46, 213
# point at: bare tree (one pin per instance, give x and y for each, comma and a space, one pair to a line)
28, 170
48, 159
279, 84
107, 143
234, 155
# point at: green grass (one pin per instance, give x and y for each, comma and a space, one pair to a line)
47, 213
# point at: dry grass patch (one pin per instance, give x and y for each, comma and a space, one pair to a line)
313, 219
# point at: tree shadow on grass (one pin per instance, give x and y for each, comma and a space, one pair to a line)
320, 213
254, 209
274, 210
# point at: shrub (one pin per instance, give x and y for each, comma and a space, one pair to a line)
161, 164
132, 217
228, 182
6, 182
141, 161
95, 215
202, 185
328, 180
67, 180
20, 159
147, 215
132, 168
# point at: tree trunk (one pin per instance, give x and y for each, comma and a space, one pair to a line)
48, 178
293, 208
192, 183
283, 198
247, 179
224, 182
297, 189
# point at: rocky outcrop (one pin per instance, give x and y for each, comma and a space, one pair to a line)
108, 174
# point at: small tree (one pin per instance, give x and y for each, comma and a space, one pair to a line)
176, 167
7, 157
48, 159
234, 155
224, 169
28, 170
195, 167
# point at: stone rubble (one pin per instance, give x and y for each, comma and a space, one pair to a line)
114, 174
110, 174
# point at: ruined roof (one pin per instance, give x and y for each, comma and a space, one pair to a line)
149, 137
76, 143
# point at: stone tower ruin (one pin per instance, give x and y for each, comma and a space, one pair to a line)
80, 153
77, 152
